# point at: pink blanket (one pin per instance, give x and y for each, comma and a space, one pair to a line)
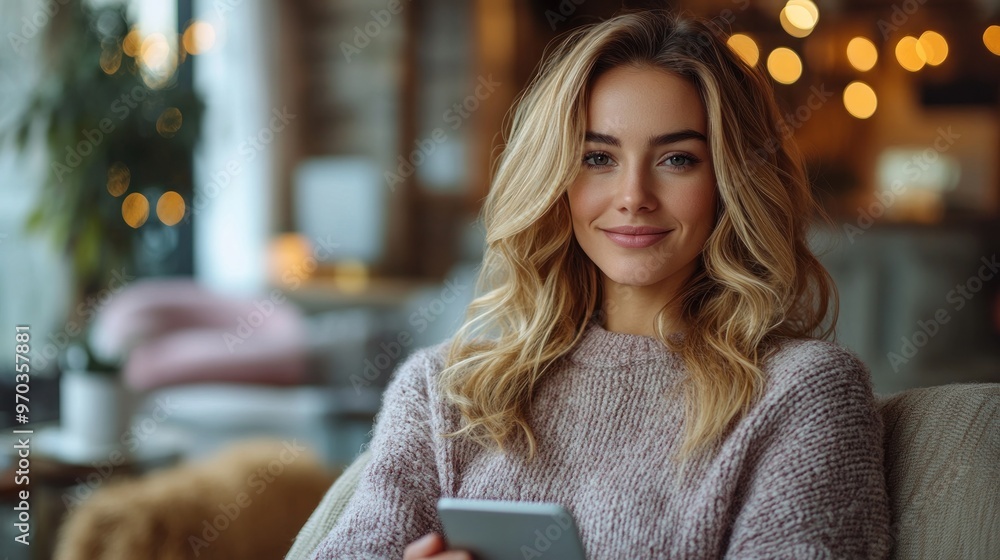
172, 331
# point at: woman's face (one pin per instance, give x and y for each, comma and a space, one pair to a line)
644, 201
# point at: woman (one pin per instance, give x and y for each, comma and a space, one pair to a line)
642, 352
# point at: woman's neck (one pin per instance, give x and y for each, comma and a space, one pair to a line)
633, 310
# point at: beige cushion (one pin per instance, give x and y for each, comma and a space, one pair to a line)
942, 465
943, 469
322, 520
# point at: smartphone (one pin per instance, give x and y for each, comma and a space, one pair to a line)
499, 530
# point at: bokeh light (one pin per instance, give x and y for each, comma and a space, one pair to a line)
784, 65
289, 255
154, 51
862, 54
170, 208
860, 100
935, 47
910, 53
745, 47
802, 13
118, 178
799, 17
991, 38
111, 57
135, 210
169, 122
132, 43
199, 37
791, 29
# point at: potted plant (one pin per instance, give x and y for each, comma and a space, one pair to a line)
94, 408
120, 131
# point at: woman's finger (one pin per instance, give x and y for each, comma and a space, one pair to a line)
423, 547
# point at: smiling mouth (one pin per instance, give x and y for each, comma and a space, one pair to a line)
635, 237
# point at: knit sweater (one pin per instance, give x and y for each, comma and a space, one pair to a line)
799, 476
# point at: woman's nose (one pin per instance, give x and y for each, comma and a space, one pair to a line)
635, 192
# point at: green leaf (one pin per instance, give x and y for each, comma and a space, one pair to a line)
89, 245
35, 219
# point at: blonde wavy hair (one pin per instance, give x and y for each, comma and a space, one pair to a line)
757, 281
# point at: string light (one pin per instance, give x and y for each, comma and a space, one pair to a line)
935, 47
154, 51
199, 37
135, 210
862, 54
170, 208
745, 47
910, 53
132, 43
991, 38
860, 100
799, 17
118, 178
784, 65
169, 122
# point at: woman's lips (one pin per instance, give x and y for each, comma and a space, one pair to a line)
635, 237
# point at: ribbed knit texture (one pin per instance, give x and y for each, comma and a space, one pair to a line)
799, 477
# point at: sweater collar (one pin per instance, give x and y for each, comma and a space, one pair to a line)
600, 346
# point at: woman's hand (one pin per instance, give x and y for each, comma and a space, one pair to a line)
428, 547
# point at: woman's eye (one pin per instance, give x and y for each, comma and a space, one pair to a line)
597, 159
680, 160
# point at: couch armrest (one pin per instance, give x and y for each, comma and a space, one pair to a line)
325, 516
942, 449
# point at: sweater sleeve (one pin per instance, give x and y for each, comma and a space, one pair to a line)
817, 489
395, 501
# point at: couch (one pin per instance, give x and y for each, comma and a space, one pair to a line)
942, 467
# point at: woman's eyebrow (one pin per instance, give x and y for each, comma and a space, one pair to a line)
660, 140
598, 138
671, 137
